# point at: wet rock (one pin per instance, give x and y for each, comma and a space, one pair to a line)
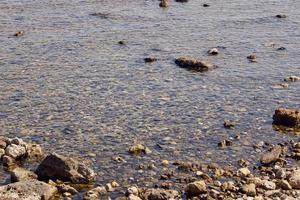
249, 189
150, 60
213, 51
181, 1
27, 190
268, 185
281, 16
271, 156
56, 166
287, 117
21, 174
193, 64
121, 42
294, 179
224, 143
164, 3
252, 58
19, 33
292, 78
15, 151
95, 193
139, 149
64, 188
161, 194
228, 124
196, 188
205, 5
281, 49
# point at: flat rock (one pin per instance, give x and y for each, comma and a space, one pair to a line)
193, 64
271, 156
58, 167
27, 190
21, 174
287, 117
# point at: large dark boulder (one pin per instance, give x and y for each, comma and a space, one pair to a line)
58, 167
287, 117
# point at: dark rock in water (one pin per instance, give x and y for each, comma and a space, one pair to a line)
271, 156
206, 5
281, 16
19, 33
101, 15
161, 194
149, 60
164, 3
228, 124
287, 117
55, 167
193, 64
281, 49
252, 58
121, 43
181, 1
31, 189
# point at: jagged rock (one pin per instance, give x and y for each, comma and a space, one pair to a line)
193, 64
249, 189
21, 174
34, 152
15, 151
56, 166
294, 179
161, 194
287, 117
196, 188
252, 58
27, 190
271, 156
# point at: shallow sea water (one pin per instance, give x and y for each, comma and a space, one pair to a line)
68, 85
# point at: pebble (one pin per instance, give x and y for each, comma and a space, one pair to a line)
213, 51
196, 188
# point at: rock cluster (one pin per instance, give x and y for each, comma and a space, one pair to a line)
287, 117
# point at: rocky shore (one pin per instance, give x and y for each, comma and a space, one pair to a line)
61, 177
